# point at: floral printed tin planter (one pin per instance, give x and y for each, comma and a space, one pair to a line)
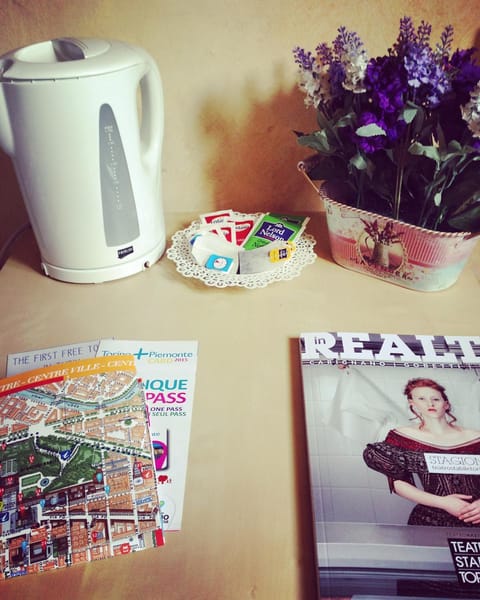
397, 252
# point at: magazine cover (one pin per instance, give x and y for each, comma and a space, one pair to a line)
393, 434
167, 370
76, 467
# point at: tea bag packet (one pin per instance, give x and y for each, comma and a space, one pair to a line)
265, 258
216, 217
275, 227
243, 228
213, 251
235, 228
227, 230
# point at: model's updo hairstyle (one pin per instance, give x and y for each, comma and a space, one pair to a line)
425, 382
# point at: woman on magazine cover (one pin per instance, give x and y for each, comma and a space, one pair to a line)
447, 499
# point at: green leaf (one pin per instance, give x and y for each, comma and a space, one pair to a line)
431, 152
317, 141
359, 162
322, 120
437, 199
440, 136
370, 130
409, 113
346, 120
418, 122
455, 146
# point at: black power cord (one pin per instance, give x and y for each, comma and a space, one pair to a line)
5, 249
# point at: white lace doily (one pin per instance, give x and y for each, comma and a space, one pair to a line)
179, 252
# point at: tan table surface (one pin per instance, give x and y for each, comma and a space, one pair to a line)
246, 525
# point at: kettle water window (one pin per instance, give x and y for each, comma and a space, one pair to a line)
120, 220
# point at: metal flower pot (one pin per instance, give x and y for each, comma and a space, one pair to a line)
397, 252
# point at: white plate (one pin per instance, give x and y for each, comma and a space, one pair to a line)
187, 266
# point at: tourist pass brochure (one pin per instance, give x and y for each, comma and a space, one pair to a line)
167, 370
393, 434
77, 479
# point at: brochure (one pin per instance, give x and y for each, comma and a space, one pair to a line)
76, 467
393, 437
167, 370
23, 361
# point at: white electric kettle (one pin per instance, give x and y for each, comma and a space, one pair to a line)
82, 120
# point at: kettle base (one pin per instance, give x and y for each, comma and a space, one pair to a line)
103, 274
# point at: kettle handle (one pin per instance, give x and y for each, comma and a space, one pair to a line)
6, 134
151, 129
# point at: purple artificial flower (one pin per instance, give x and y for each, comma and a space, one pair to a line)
337, 77
347, 43
464, 72
324, 54
423, 34
308, 76
350, 52
407, 38
386, 80
446, 41
304, 60
406, 32
426, 76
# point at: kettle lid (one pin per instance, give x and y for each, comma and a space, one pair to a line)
66, 58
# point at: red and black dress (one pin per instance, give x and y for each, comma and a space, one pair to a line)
400, 457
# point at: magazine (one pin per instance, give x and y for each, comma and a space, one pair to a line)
393, 439
167, 370
76, 467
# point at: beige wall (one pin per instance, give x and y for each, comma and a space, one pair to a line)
229, 82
